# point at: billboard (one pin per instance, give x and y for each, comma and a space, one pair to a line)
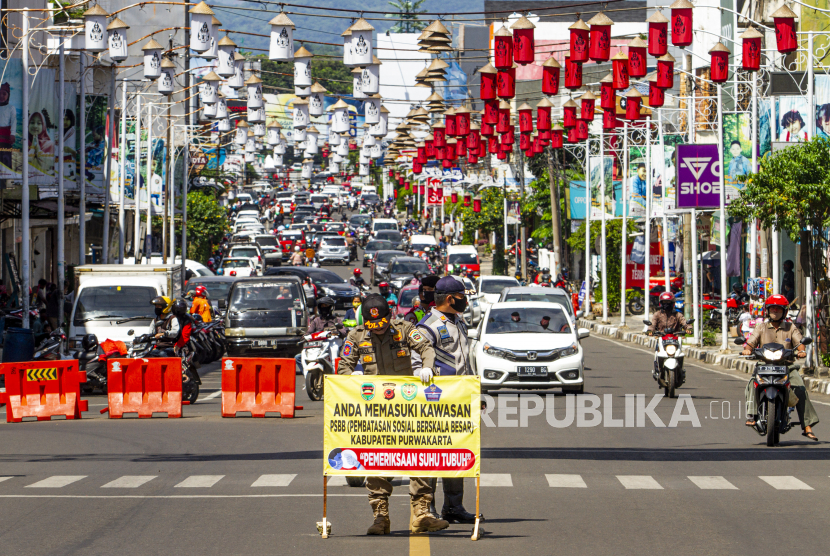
698, 176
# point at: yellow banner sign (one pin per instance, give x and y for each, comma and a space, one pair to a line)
41, 374
382, 425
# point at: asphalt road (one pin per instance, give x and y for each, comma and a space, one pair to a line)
207, 485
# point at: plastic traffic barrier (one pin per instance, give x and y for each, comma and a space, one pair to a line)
43, 389
144, 386
258, 385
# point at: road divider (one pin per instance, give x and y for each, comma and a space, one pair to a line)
259, 386
42, 389
144, 386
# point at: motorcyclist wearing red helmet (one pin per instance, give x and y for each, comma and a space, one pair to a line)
666, 316
201, 306
357, 279
777, 330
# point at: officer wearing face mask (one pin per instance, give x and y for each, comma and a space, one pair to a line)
386, 349
444, 328
426, 293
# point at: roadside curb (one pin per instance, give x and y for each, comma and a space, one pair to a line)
734, 362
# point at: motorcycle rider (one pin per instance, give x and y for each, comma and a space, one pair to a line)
666, 317
325, 320
776, 330
386, 293
296, 257
166, 325
426, 294
201, 306
357, 279
386, 349
179, 311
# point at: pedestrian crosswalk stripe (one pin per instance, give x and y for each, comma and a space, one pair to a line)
496, 480
129, 481
5, 479
785, 482
337, 481
274, 481
200, 481
565, 481
712, 483
57, 481
639, 482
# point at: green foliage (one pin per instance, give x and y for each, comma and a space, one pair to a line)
709, 338
407, 11
207, 223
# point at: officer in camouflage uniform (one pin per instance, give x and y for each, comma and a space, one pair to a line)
386, 349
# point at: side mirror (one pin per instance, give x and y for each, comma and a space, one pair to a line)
130, 332
473, 334
583, 333
806, 341
740, 341
690, 321
647, 322
223, 304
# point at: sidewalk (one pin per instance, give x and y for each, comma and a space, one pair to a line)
711, 355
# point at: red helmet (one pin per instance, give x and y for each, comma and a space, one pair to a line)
200, 291
357, 272
666, 296
777, 301
383, 285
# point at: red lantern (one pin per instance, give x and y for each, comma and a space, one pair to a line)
658, 30
607, 94
446, 163
503, 49
579, 41
550, 76
543, 120
619, 64
656, 95
452, 150
439, 134
609, 119
556, 138
477, 204
505, 148
473, 138
582, 129
587, 103
572, 135
391, 173
473, 158
785, 36
493, 144
637, 65
462, 121
507, 138
467, 199
501, 155
487, 90
524, 141
665, 71
422, 154
506, 83
525, 118
538, 147
719, 70
573, 74
523, 45
441, 153
406, 187
504, 118
491, 112
482, 148
487, 129
633, 100
429, 146
461, 148
600, 48
569, 114
681, 23
421, 189
450, 121
396, 193
529, 152
751, 58
454, 197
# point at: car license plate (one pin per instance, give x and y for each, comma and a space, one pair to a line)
772, 369
262, 343
532, 371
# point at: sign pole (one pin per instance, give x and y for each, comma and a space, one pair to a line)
476, 530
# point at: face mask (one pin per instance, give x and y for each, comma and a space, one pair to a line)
355, 305
158, 311
459, 304
428, 297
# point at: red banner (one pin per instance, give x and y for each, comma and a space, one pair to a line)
435, 195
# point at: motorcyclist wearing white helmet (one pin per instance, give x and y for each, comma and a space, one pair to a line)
296, 257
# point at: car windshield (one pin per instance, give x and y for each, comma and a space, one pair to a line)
390, 236
421, 246
236, 263
319, 276
333, 242
495, 286
119, 302
359, 220
371, 199
334, 227
266, 240
385, 226
379, 245
266, 296
542, 296
244, 252
463, 258
407, 298
387, 256
535, 320
216, 289
408, 267
319, 199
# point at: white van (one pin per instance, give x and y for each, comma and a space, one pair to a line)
368, 189
379, 224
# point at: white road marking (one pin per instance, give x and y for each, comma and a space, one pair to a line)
57, 481
639, 482
565, 481
785, 482
496, 480
5, 479
337, 481
130, 481
712, 483
210, 396
274, 481
200, 481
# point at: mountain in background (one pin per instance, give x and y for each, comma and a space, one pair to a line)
322, 29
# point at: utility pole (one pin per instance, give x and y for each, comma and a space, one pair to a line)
555, 223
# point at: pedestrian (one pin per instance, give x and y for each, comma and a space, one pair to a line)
386, 349
53, 304
444, 328
448, 231
788, 281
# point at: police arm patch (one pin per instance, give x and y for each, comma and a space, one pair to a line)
416, 336
347, 348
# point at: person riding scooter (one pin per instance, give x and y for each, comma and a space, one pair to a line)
386, 293
201, 306
667, 317
166, 325
357, 279
776, 330
325, 320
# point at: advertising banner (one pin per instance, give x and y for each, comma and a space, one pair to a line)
698, 176
435, 195
384, 425
635, 272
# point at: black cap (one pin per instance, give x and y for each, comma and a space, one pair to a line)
428, 281
374, 308
448, 284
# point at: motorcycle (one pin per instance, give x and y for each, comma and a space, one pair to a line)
319, 353
668, 360
93, 364
146, 347
771, 379
50, 348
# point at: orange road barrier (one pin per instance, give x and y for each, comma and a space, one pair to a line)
144, 386
258, 385
43, 389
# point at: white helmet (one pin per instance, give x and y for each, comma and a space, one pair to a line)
296, 248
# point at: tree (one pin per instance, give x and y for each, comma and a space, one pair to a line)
489, 220
407, 11
206, 225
